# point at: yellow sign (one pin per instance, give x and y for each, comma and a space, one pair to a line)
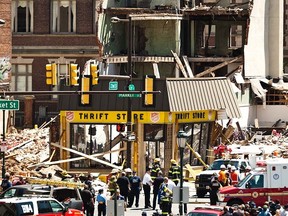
145, 117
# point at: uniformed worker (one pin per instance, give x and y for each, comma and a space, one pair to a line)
112, 185
165, 197
155, 168
234, 176
222, 174
174, 172
215, 185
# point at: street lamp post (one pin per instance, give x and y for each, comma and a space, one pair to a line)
129, 70
181, 138
3, 148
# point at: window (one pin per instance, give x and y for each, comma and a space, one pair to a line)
236, 36
56, 207
63, 16
21, 79
22, 16
209, 36
44, 206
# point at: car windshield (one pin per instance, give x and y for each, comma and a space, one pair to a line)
244, 180
216, 164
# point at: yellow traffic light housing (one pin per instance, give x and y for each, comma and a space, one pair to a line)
51, 74
149, 86
85, 87
94, 73
74, 74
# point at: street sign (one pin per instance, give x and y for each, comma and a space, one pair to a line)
129, 95
9, 104
113, 86
131, 87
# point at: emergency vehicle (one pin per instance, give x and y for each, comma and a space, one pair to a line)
268, 182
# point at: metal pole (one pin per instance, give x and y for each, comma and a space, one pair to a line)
181, 182
2, 152
129, 113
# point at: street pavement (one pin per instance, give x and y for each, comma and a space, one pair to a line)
133, 211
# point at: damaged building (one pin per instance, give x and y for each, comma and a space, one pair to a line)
211, 60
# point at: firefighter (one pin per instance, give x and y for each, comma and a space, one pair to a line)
165, 195
155, 168
174, 172
112, 185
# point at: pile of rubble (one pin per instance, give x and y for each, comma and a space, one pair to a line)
25, 148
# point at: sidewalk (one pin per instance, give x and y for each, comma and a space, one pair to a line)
193, 201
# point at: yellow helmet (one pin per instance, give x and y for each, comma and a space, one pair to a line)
173, 161
156, 160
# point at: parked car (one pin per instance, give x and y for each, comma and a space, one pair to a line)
69, 197
19, 206
206, 211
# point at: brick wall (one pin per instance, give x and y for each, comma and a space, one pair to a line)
5, 31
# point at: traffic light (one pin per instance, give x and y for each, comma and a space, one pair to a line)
85, 87
120, 127
74, 74
94, 73
149, 86
51, 74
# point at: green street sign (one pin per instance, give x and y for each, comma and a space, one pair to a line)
113, 86
129, 95
131, 87
9, 104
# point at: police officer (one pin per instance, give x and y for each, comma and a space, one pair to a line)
155, 168
174, 172
214, 187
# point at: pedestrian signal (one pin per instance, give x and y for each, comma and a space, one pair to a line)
94, 73
120, 127
74, 74
51, 74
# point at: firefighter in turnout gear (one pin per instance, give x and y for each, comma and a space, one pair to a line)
155, 168
174, 172
165, 197
112, 185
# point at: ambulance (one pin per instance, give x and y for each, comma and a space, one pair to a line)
268, 182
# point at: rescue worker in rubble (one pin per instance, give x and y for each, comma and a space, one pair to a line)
221, 174
155, 168
112, 185
174, 172
165, 197
235, 177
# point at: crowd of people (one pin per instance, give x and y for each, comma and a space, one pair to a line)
225, 177
250, 209
153, 182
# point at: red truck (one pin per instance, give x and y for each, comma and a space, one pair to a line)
268, 182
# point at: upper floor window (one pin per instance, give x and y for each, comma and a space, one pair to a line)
21, 79
235, 36
22, 16
209, 33
64, 16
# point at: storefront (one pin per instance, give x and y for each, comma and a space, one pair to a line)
94, 133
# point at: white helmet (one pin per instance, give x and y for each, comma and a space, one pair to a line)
233, 168
222, 166
229, 166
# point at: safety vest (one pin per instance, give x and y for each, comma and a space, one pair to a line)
222, 176
234, 177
